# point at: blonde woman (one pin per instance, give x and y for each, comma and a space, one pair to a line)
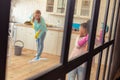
40, 33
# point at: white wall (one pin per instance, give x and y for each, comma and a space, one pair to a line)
24, 8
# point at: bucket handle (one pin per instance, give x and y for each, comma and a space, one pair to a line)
20, 42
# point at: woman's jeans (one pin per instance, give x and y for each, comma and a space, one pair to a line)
78, 73
40, 45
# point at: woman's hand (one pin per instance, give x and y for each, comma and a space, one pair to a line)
39, 31
37, 34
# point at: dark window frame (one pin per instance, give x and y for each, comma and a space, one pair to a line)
59, 71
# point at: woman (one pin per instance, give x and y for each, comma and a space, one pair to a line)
40, 32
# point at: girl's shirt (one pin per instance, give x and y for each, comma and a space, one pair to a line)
39, 26
78, 50
81, 43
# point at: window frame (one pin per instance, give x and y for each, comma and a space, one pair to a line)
60, 70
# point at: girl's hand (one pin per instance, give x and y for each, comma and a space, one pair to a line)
86, 47
83, 41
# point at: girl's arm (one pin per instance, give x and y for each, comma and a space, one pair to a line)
83, 41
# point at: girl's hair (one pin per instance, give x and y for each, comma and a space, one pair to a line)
86, 26
36, 12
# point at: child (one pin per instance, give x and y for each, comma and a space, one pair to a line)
40, 32
80, 49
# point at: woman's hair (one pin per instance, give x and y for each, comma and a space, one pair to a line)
36, 12
86, 26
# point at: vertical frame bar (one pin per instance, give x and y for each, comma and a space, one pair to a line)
110, 33
4, 23
67, 31
63, 77
111, 56
103, 38
93, 28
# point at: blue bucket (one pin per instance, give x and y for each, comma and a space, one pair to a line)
76, 26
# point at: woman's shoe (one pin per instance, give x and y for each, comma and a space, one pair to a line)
35, 59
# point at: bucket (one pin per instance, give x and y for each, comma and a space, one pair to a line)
18, 48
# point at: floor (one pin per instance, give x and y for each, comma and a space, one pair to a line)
19, 68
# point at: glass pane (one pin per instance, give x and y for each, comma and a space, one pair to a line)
100, 25
79, 33
95, 65
108, 61
113, 27
50, 5
108, 32
33, 54
78, 46
76, 50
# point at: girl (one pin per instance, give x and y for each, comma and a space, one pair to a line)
40, 32
80, 48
